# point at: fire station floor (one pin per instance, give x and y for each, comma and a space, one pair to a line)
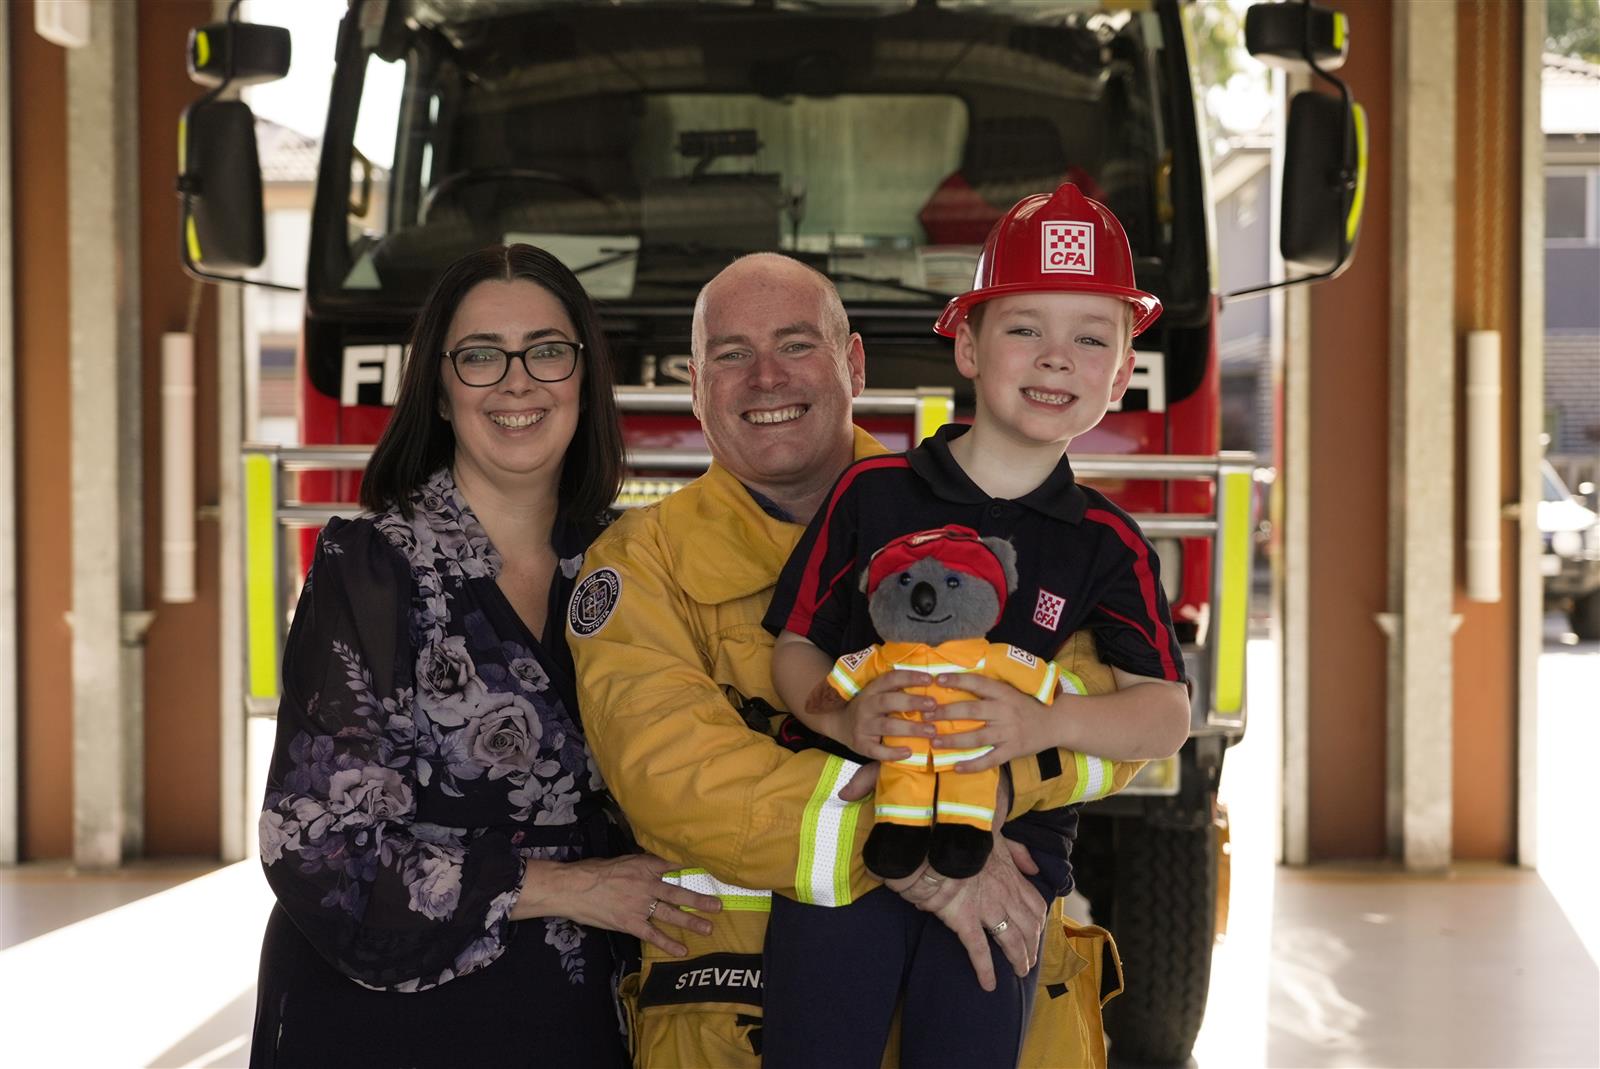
1327, 966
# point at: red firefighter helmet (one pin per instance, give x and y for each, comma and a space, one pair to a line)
1060, 242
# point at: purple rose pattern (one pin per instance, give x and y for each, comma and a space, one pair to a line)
475, 729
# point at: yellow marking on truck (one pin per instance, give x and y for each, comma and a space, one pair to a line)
1233, 592
1353, 220
933, 412
261, 577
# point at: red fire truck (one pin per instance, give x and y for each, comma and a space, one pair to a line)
647, 142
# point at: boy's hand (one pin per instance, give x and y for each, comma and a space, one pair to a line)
1016, 725
863, 722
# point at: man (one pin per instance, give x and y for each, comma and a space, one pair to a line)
675, 682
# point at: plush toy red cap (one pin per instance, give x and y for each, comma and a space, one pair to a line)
954, 546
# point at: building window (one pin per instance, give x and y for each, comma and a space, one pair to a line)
1572, 206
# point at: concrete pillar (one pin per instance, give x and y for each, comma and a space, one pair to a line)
1529, 583
1422, 427
10, 754
238, 811
108, 621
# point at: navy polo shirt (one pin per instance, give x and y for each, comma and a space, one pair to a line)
1081, 561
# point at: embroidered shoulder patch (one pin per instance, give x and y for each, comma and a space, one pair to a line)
593, 602
854, 661
1022, 657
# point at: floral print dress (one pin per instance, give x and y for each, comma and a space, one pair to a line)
427, 746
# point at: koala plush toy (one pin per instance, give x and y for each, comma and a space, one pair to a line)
933, 596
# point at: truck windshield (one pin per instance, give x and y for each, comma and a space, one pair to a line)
647, 143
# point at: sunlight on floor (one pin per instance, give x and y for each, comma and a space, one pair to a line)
1569, 739
127, 984
1234, 1032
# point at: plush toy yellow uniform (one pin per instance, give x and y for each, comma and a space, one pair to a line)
922, 588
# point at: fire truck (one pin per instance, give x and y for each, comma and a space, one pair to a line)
648, 142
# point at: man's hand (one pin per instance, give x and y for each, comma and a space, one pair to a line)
862, 723
974, 908
1016, 724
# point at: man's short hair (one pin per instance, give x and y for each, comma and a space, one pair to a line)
835, 323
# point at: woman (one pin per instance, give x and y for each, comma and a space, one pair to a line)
447, 875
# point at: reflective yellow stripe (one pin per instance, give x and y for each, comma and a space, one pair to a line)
1098, 780
905, 812
1094, 778
946, 758
183, 142
933, 412
1047, 689
842, 680
261, 578
961, 809
933, 669
732, 895
1352, 221
192, 237
827, 838
1069, 681
1234, 592
916, 760
202, 49
1341, 29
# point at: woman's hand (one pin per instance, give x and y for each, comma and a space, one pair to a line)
975, 907
619, 894
1015, 724
862, 722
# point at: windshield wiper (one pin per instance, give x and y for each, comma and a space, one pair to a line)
669, 248
889, 283
692, 249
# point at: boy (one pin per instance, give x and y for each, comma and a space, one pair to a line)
1046, 338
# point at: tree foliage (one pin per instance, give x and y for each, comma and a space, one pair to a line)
1572, 28
1222, 66
1218, 31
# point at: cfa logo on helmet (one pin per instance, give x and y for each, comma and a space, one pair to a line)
1069, 248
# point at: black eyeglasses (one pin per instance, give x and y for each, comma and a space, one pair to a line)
487, 365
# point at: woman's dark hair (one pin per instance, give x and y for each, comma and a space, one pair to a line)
418, 441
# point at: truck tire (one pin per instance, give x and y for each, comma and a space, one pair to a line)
1585, 616
1163, 916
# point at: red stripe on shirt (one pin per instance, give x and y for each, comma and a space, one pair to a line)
807, 602
1158, 636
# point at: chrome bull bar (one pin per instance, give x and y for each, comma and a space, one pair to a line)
1215, 661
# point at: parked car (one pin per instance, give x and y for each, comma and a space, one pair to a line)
1571, 558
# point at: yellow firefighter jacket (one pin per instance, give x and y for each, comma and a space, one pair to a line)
678, 705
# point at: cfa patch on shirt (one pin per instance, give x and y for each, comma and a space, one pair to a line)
854, 661
594, 601
1022, 657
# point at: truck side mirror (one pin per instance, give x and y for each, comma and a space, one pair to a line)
1325, 151
1281, 35
237, 53
219, 182
219, 169
1324, 181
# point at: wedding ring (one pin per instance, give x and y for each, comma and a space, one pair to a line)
998, 928
935, 880
654, 902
